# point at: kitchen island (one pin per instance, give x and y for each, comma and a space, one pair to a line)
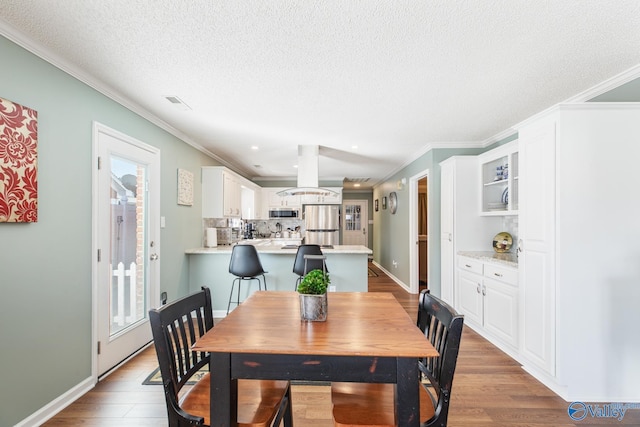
347, 266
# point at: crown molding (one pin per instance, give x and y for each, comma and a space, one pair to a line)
607, 85
45, 54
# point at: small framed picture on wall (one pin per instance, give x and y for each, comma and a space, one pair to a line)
384, 202
375, 205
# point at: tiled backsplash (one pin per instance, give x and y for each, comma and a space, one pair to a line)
264, 227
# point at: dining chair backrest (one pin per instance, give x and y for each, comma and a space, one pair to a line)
373, 404
442, 325
175, 328
245, 261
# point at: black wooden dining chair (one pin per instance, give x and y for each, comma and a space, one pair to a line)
359, 404
176, 326
301, 266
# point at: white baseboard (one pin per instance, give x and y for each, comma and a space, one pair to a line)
219, 314
547, 380
50, 410
394, 278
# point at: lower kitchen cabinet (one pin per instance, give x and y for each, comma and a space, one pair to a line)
488, 298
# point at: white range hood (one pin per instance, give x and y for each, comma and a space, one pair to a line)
307, 174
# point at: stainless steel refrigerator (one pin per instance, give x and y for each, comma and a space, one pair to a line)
322, 224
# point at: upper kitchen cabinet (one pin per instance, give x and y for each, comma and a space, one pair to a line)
274, 200
221, 193
331, 199
499, 180
251, 202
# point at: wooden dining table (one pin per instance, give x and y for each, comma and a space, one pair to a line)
367, 337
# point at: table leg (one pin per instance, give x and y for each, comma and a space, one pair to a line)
224, 392
407, 393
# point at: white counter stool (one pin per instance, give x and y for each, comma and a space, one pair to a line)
245, 265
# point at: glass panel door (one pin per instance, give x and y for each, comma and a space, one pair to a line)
128, 244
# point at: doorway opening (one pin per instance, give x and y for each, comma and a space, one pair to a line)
422, 234
419, 231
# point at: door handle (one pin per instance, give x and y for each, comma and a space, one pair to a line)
154, 257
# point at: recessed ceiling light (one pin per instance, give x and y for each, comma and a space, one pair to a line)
295, 166
354, 147
357, 184
254, 147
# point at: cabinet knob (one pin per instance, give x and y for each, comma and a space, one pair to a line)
497, 274
478, 288
484, 291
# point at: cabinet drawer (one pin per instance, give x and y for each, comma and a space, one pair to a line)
470, 264
503, 274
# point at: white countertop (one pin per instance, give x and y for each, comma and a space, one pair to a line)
276, 248
506, 258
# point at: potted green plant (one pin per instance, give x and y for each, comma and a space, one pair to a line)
313, 295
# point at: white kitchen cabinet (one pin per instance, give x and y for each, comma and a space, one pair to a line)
221, 193
251, 202
578, 230
536, 233
470, 292
488, 297
231, 191
331, 199
499, 180
274, 200
461, 227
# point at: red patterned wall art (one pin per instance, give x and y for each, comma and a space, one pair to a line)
18, 163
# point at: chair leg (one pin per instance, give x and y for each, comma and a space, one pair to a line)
288, 415
238, 294
233, 284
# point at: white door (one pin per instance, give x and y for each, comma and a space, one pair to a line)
447, 249
355, 223
126, 239
537, 235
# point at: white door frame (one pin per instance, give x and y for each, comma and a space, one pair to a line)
414, 284
154, 229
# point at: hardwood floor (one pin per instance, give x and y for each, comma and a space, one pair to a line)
490, 389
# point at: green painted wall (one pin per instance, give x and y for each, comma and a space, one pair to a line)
391, 232
45, 267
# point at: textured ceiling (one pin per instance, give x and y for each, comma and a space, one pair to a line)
390, 77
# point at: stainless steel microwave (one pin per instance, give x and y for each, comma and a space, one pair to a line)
284, 213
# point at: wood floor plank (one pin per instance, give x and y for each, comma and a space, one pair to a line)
489, 389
